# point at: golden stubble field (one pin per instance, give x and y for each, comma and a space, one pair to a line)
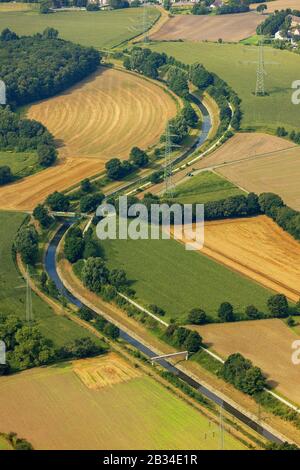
267, 343
230, 28
257, 248
99, 404
101, 118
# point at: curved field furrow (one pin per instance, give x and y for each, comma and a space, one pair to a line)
103, 117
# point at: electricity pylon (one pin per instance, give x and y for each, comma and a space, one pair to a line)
221, 424
260, 72
168, 170
145, 22
28, 311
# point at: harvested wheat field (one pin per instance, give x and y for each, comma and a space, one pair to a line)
103, 117
54, 408
106, 115
278, 173
267, 343
230, 28
259, 249
279, 5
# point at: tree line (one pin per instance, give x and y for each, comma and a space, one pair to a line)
275, 22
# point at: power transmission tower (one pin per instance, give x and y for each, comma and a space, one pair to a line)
260, 72
221, 424
29, 313
28, 310
168, 170
145, 22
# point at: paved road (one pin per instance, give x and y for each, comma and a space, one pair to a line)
51, 268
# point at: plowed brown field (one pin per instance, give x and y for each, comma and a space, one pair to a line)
267, 343
278, 173
200, 28
102, 118
279, 5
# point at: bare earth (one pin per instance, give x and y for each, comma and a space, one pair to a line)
278, 173
267, 343
102, 118
280, 5
230, 28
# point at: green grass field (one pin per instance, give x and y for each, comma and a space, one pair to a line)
4, 444
137, 414
164, 273
21, 164
102, 29
204, 187
12, 298
236, 64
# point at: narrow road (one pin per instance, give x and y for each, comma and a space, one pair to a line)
51, 268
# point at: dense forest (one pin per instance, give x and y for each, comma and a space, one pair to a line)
43, 65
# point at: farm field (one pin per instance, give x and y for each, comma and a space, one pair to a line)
241, 146
103, 29
103, 117
230, 28
204, 187
12, 297
237, 64
164, 273
259, 249
106, 115
109, 417
267, 343
278, 173
280, 5
20, 163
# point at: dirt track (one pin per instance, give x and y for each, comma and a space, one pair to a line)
267, 343
230, 28
102, 118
